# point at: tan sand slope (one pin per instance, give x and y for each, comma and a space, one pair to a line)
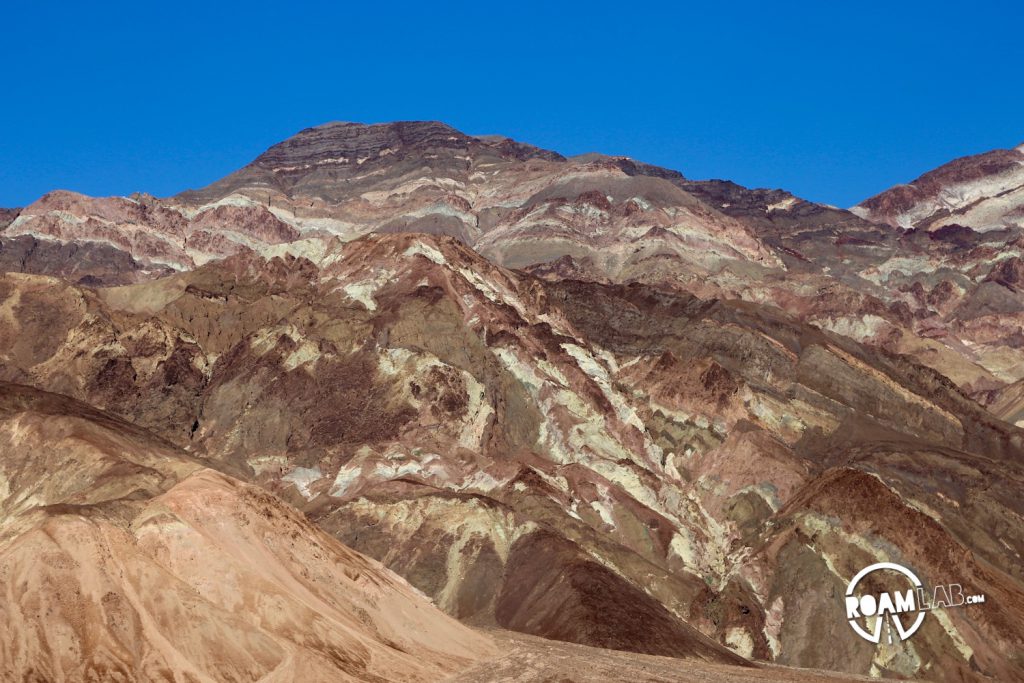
210, 580
526, 659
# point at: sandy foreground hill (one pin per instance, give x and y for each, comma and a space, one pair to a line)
123, 559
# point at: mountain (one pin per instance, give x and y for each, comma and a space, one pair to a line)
975, 204
984, 192
582, 399
338, 161
611, 465
937, 296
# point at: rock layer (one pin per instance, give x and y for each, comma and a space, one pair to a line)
935, 295
587, 399
613, 465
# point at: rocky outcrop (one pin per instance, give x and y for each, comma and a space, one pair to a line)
984, 191
1008, 403
336, 161
496, 438
82, 262
587, 399
594, 217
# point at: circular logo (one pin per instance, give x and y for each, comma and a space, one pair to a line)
868, 612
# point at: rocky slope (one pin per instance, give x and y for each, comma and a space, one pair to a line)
612, 465
976, 205
944, 297
984, 192
121, 558
1008, 403
583, 399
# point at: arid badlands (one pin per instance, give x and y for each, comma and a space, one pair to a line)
396, 403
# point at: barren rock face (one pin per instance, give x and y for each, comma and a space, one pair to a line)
616, 466
590, 217
1008, 403
984, 191
336, 160
583, 399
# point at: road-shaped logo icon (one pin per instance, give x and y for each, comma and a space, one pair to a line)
903, 610
897, 609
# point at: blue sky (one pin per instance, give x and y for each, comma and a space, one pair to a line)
833, 101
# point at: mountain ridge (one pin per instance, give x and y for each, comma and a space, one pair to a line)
955, 191
487, 434
940, 295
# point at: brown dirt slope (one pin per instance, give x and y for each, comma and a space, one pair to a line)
122, 559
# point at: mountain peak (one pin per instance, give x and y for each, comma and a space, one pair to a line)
343, 142
953, 193
332, 159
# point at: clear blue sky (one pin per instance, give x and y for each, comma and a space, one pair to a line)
833, 101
